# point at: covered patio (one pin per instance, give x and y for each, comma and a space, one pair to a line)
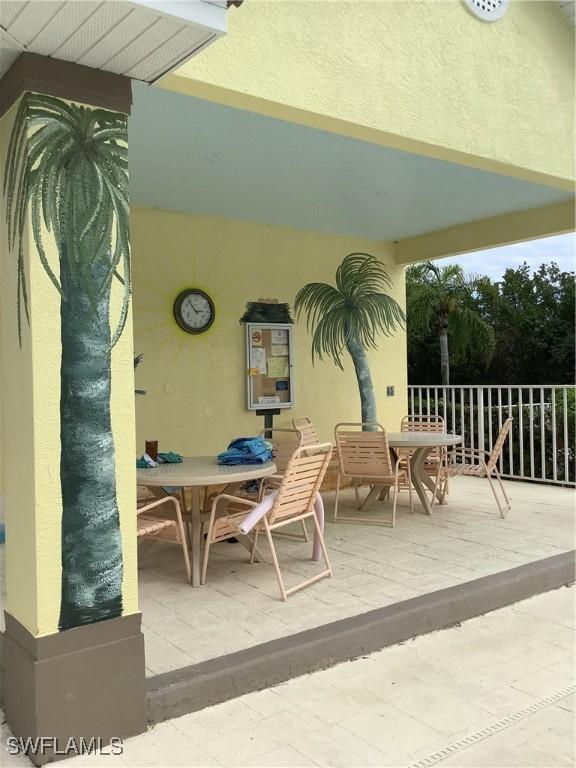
374, 567
239, 176
243, 205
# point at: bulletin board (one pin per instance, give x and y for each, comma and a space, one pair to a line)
270, 367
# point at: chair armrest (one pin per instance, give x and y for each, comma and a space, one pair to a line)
158, 503
235, 499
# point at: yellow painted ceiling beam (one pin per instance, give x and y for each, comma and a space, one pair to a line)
488, 233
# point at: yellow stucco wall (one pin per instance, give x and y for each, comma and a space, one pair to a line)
196, 388
429, 72
30, 438
17, 459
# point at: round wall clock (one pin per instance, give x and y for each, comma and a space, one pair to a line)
194, 310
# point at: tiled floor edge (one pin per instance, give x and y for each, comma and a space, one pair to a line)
211, 682
496, 727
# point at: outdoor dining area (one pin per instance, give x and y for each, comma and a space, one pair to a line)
265, 493
197, 502
368, 519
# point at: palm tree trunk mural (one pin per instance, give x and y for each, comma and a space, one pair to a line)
91, 546
365, 386
67, 169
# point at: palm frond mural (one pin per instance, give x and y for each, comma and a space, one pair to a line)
351, 316
67, 169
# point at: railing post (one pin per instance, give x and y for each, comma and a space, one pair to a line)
480, 400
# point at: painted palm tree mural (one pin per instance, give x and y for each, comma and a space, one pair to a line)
68, 170
351, 316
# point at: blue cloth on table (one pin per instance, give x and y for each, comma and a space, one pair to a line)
246, 450
169, 457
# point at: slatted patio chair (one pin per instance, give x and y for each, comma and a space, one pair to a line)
436, 464
294, 501
365, 457
284, 443
164, 526
478, 463
307, 429
310, 437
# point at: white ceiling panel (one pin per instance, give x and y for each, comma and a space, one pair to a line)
9, 10
9, 52
144, 44
122, 29
71, 17
34, 17
138, 38
171, 53
95, 30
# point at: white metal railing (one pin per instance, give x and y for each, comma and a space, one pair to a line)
542, 442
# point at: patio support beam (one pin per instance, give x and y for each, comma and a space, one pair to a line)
73, 650
488, 233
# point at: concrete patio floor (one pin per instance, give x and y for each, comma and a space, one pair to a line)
373, 567
496, 691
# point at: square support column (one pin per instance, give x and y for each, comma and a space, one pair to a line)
73, 651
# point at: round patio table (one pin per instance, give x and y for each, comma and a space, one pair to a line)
420, 444
197, 472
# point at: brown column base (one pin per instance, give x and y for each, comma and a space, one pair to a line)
72, 687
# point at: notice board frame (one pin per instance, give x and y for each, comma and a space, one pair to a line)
255, 382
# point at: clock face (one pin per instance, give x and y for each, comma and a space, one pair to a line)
194, 310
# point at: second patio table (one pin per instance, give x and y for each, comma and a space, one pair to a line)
196, 473
421, 443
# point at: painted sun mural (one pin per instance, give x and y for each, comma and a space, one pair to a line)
67, 170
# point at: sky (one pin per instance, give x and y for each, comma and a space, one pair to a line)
495, 261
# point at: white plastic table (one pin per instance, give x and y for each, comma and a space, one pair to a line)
196, 473
421, 443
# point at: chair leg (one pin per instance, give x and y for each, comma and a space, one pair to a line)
275, 560
395, 499
305, 531
322, 544
254, 546
183, 541
503, 489
496, 499
337, 496
436, 488
205, 561
357, 494
409, 473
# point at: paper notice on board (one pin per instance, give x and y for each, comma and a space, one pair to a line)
278, 368
258, 359
279, 336
279, 350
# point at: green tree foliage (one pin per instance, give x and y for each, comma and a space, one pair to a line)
532, 315
439, 307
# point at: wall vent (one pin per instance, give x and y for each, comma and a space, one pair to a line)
487, 10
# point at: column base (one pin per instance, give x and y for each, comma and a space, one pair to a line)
81, 688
